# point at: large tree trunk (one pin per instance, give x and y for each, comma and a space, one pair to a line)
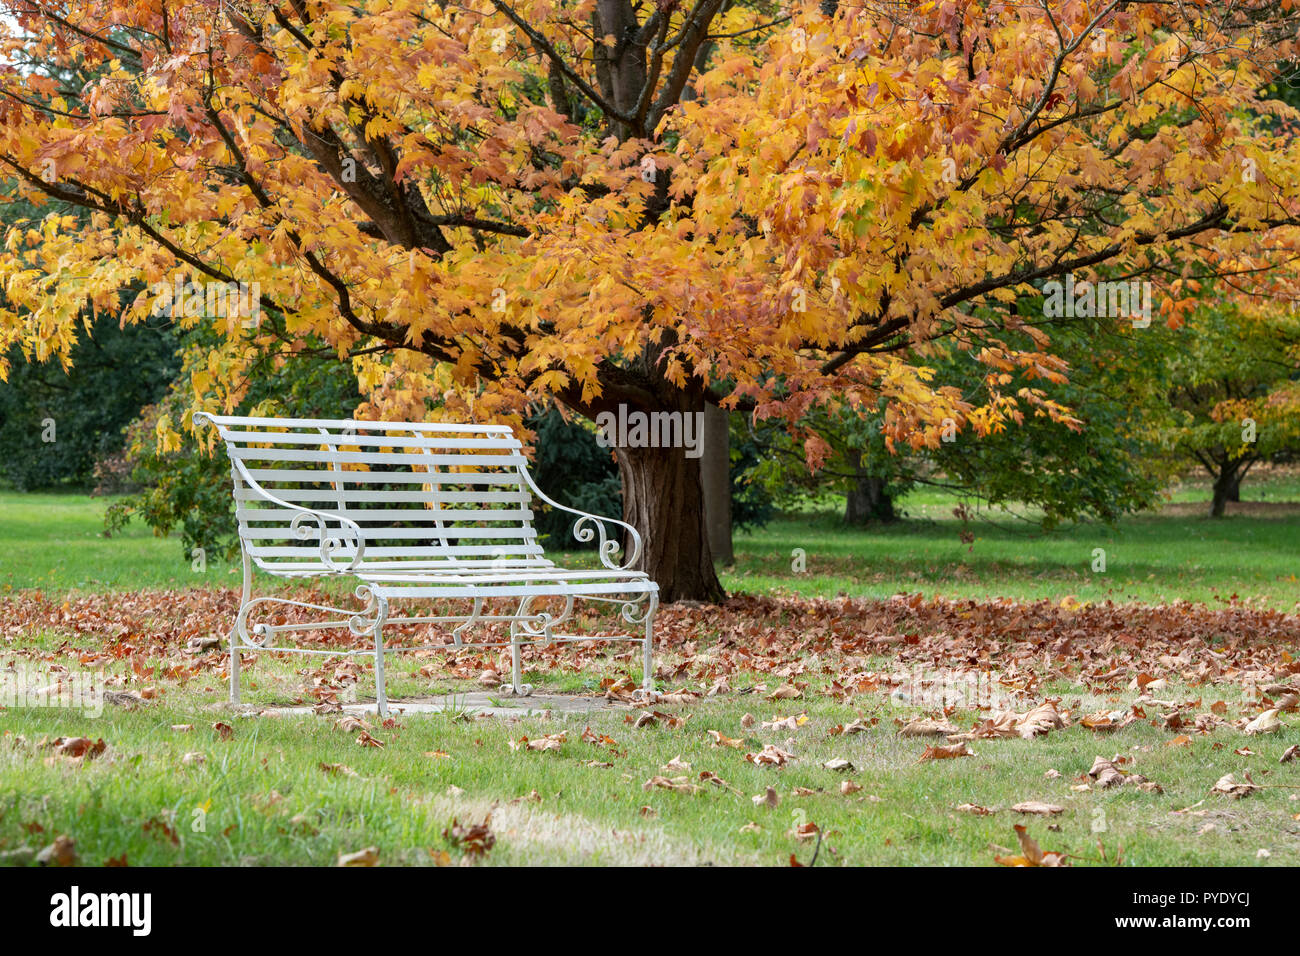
715, 475
867, 499
664, 500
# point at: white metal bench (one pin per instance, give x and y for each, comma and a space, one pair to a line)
419, 512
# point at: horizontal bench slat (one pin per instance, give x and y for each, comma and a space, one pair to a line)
384, 532
490, 575
263, 475
430, 589
413, 565
442, 516
432, 496
322, 457
240, 421
371, 441
345, 552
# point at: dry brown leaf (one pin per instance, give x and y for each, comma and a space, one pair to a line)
793, 722
473, 840
1039, 808
922, 727
1228, 785
62, 852
1030, 853
1265, 723
941, 752
79, 747
367, 857
676, 784
722, 740
338, 770
770, 756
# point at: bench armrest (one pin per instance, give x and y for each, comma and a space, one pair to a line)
349, 530
588, 526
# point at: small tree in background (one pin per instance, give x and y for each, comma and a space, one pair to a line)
1234, 393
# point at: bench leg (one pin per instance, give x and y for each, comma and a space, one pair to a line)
517, 685
244, 595
381, 696
648, 667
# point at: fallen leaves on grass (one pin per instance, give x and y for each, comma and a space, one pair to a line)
1108, 721
680, 784
805, 831
338, 770
223, 730
1290, 753
1037, 722
839, 765
1031, 854
1230, 786
551, 742
1106, 773
770, 756
1038, 808
948, 752
62, 852
793, 722
367, 857
709, 776
78, 748
974, 809
649, 717
1265, 723
785, 692
921, 727
720, 739
473, 840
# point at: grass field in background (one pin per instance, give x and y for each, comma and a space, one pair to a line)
55, 542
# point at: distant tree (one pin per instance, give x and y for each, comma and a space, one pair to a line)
1097, 463
57, 421
1234, 393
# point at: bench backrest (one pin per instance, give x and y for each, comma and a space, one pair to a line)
426, 493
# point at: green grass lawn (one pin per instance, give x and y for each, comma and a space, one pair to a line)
262, 796
55, 542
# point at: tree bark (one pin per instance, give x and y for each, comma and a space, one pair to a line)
1227, 473
867, 499
715, 474
664, 500
1225, 483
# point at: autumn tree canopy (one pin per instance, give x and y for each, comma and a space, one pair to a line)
654, 205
